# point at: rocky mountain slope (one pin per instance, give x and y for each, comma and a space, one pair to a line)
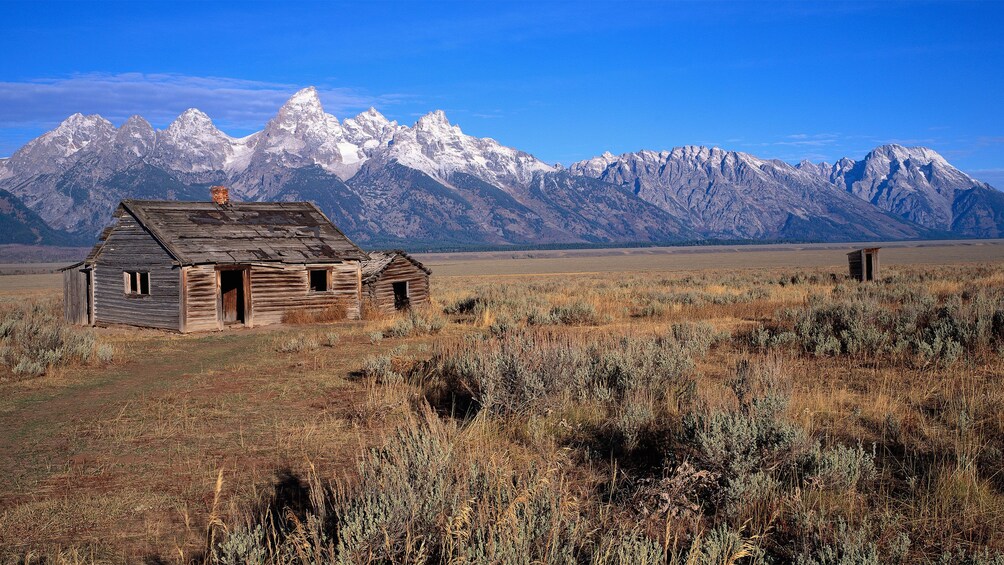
431, 184
725, 194
918, 184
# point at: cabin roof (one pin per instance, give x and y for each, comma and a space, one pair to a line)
241, 232
379, 260
865, 249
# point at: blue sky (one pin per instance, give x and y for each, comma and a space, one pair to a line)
564, 81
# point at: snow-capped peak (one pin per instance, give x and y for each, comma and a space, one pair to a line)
436, 120
192, 121
370, 130
49, 151
193, 144
79, 122
595, 166
304, 106
303, 134
439, 148
132, 141
896, 152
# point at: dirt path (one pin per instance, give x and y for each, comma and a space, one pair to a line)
29, 422
124, 458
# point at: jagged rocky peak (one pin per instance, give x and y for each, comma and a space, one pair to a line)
77, 132
896, 152
821, 169
192, 122
134, 139
595, 166
193, 144
436, 120
437, 147
79, 123
304, 108
51, 151
370, 130
303, 134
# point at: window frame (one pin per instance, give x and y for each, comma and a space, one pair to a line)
310, 280
133, 283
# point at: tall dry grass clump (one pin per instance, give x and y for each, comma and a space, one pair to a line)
34, 339
297, 316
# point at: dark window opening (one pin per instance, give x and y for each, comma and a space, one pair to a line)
137, 282
318, 280
401, 301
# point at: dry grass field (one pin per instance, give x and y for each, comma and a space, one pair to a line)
721, 405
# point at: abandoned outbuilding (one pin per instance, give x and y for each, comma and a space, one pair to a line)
864, 264
195, 266
394, 280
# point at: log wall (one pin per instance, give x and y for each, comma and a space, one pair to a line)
380, 292
129, 247
274, 291
201, 298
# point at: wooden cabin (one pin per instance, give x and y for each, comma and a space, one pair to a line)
864, 264
394, 280
194, 266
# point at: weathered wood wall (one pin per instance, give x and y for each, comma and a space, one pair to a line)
274, 291
200, 299
380, 292
857, 263
129, 247
75, 299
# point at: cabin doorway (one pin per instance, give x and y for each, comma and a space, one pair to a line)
401, 301
868, 267
232, 297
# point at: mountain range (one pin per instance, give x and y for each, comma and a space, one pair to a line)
431, 185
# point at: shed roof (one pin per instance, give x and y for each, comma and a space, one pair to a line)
380, 260
865, 249
241, 232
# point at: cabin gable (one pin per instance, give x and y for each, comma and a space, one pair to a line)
136, 281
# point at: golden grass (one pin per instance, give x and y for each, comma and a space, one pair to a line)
157, 453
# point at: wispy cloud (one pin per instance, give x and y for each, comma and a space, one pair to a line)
233, 103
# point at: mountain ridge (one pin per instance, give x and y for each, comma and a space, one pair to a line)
383, 181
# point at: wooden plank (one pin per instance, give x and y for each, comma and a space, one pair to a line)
129, 247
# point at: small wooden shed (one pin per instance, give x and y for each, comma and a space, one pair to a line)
191, 266
864, 264
394, 280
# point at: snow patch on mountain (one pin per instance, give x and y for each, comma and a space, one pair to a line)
303, 134
438, 148
370, 130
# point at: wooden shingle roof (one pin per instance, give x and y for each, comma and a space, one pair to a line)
243, 232
380, 260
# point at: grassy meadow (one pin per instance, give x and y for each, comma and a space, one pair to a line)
725, 407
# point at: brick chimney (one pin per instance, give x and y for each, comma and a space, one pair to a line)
220, 195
